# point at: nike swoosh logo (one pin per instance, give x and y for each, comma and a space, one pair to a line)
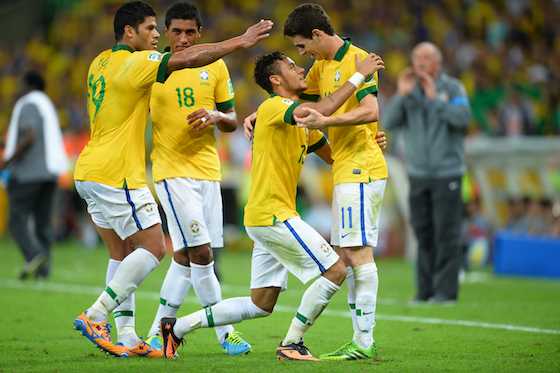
367, 313
346, 234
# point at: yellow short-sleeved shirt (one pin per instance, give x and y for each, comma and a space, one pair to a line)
279, 150
178, 150
357, 157
118, 85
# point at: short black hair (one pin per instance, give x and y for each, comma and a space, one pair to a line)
265, 66
183, 10
34, 81
306, 18
131, 14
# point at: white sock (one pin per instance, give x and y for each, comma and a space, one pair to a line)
314, 300
173, 291
228, 311
367, 282
124, 313
351, 284
209, 292
130, 273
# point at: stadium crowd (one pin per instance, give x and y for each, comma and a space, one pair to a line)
505, 53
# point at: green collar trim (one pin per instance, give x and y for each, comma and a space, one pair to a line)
122, 47
273, 95
341, 52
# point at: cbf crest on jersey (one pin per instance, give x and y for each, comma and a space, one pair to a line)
337, 76
155, 56
204, 75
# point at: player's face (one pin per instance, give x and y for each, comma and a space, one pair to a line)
182, 33
147, 36
308, 47
292, 76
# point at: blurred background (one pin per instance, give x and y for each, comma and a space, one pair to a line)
506, 53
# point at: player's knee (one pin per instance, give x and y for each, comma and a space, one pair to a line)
263, 309
265, 299
337, 272
201, 254
181, 257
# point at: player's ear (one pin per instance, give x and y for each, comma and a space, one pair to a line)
316, 33
129, 31
275, 79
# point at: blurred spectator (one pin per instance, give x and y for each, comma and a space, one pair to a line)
516, 116
533, 216
516, 211
433, 112
36, 157
477, 235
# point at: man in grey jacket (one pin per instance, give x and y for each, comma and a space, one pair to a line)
432, 110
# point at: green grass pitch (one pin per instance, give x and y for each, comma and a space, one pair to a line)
499, 324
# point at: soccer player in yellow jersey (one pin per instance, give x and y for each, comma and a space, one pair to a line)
283, 242
186, 170
359, 168
110, 172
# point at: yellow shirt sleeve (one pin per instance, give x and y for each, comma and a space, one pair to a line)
224, 93
144, 68
288, 111
312, 78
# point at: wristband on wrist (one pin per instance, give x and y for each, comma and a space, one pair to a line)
357, 79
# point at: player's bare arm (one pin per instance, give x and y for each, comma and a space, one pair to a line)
225, 121
366, 112
249, 124
329, 104
325, 153
204, 54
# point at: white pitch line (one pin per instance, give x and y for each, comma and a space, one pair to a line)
94, 290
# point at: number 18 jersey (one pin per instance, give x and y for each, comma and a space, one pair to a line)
180, 151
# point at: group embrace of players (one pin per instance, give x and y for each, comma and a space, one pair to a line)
187, 92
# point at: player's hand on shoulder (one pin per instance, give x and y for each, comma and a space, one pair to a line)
370, 64
381, 139
249, 125
202, 118
256, 32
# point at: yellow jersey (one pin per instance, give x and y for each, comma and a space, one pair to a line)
279, 150
179, 151
118, 86
356, 155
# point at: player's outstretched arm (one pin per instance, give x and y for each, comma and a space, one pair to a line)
331, 103
366, 112
204, 54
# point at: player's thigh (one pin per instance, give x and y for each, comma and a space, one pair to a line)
183, 203
266, 270
356, 213
213, 212
297, 246
118, 248
85, 190
125, 211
